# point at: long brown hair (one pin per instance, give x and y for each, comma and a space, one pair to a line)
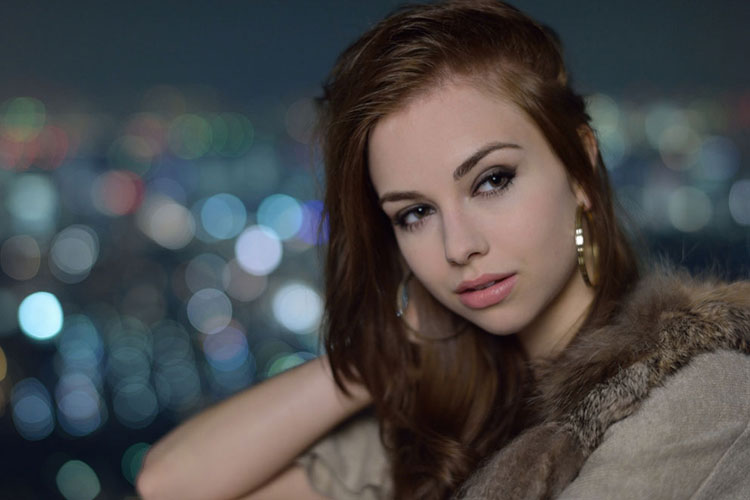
443, 405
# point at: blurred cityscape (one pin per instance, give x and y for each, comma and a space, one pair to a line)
160, 245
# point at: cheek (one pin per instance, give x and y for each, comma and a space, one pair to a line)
418, 254
546, 229
424, 255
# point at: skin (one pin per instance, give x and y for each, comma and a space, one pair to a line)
520, 220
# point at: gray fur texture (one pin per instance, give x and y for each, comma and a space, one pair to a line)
604, 375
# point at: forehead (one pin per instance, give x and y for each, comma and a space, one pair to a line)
442, 127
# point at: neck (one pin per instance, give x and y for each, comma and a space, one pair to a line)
552, 330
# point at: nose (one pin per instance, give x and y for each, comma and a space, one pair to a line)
462, 240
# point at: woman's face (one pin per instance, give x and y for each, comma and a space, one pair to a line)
483, 212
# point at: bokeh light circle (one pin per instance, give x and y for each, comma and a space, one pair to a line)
22, 118
74, 252
20, 257
40, 316
209, 310
311, 231
32, 410
298, 307
77, 481
739, 202
132, 460
258, 250
117, 192
227, 350
689, 209
135, 404
178, 385
165, 221
223, 216
33, 202
79, 404
719, 158
281, 213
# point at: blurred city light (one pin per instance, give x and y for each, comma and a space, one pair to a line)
32, 201
209, 310
258, 250
32, 409
739, 201
132, 460
298, 307
74, 252
40, 316
281, 213
20, 257
76, 480
223, 216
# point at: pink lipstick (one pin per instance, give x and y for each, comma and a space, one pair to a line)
485, 291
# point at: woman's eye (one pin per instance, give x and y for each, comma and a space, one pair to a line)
412, 217
495, 181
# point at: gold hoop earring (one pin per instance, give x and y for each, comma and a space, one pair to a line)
591, 280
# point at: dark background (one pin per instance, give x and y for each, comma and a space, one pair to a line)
182, 101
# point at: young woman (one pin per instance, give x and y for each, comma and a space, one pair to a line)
482, 299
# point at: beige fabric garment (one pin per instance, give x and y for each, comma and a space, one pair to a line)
689, 440
350, 463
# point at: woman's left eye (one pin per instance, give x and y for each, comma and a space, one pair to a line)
494, 181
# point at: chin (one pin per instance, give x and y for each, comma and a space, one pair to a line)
498, 324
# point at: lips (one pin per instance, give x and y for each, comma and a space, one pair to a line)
486, 291
483, 281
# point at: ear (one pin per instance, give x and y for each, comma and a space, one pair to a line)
588, 138
581, 197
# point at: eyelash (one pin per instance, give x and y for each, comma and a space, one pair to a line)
506, 179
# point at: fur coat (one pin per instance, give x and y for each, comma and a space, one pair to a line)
604, 375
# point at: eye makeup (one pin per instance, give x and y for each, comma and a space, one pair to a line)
494, 181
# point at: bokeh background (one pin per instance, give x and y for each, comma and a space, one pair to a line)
159, 197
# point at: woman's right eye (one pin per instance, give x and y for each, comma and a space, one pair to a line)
411, 218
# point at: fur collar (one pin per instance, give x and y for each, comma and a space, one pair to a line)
603, 375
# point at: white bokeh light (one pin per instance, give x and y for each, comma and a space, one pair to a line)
40, 316
258, 250
298, 307
165, 221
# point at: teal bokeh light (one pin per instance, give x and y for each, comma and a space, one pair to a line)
281, 213
40, 316
223, 216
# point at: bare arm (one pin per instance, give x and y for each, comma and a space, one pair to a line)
240, 444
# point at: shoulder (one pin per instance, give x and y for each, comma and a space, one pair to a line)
690, 436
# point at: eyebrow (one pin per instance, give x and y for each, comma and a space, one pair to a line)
472, 160
460, 171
